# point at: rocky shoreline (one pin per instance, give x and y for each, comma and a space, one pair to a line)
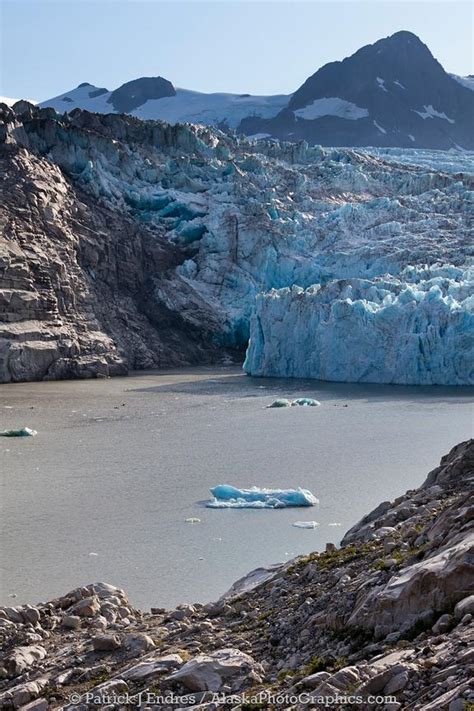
382, 622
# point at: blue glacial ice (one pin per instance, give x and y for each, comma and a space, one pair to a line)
23, 432
255, 217
388, 330
230, 497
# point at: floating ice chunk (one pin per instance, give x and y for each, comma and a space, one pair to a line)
302, 401
192, 520
305, 524
24, 432
231, 497
335, 524
281, 402
306, 402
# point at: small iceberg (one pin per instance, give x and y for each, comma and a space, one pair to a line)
192, 519
300, 401
227, 497
281, 402
306, 402
24, 432
305, 524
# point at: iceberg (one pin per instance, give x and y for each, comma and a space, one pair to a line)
414, 331
300, 401
306, 402
228, 497
305, 524
281, 402
23, 432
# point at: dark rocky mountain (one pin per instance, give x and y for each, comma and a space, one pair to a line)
134, 93
391, 93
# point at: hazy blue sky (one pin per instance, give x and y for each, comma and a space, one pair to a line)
259, 47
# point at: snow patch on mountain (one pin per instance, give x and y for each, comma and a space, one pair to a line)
467, 82
430, 112
331, 106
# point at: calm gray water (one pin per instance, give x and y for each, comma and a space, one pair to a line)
118, 465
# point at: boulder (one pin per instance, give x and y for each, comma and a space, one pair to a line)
209, 672
106, 643
464, 607
72, 622
138, 643
89, 607
418, 591
152, 667
22, 658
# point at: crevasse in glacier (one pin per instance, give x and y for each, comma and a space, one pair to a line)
385, 330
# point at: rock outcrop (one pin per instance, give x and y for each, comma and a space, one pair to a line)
385, 622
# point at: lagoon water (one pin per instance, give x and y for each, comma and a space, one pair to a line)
103, 491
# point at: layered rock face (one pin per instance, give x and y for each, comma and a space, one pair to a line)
383, 622
168, 233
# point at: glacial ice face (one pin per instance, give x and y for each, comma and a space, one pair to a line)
416, 329
226, 497
252, 216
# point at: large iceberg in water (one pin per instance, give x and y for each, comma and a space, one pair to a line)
416, 329
226, 497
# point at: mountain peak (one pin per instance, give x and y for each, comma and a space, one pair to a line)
134, 93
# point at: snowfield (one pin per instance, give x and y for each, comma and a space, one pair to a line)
186, 106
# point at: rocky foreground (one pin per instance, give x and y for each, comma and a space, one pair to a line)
383, 622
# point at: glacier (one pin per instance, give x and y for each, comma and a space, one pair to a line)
416, 329
226, 496
347, 241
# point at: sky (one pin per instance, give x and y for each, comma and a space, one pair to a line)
259, 47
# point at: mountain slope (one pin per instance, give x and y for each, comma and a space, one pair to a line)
391, 93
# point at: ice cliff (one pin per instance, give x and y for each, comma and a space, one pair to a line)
416, 329
227, 219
